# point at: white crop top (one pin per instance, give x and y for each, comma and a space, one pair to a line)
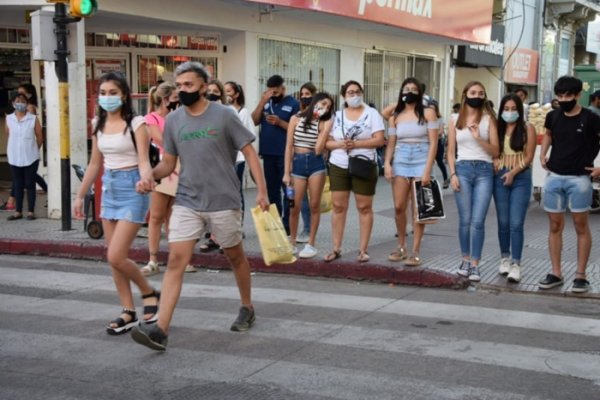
468, 148
117, 148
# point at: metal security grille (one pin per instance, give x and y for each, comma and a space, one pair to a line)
299, 63
385, 72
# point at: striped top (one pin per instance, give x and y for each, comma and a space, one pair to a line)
306, 139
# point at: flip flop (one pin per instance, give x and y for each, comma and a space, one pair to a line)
363, 256
413, 261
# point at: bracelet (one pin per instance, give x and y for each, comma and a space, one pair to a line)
452, 174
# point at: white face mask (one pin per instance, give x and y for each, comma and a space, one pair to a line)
354, 102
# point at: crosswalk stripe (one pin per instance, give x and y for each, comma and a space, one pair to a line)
511, 318
576, 364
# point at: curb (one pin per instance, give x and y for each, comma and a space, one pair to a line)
302, 267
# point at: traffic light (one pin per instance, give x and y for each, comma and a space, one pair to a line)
83, 8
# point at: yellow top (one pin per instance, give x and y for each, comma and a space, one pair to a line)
510, 158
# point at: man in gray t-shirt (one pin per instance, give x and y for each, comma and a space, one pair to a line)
206, 137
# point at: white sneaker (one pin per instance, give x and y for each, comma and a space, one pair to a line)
515, 273
302, 238
308, 252
190, 268
504, 267
150, 269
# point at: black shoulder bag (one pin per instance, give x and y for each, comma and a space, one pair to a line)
360, 166
153, 152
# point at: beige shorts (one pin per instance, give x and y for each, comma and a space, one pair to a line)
187, 224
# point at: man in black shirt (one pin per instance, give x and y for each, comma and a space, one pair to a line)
574, 134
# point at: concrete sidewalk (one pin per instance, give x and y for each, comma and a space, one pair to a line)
439, 251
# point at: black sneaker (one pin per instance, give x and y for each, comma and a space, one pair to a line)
244, 320
580, 285
150, 336
550, 281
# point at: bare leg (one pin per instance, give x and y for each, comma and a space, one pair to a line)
241, 269
315, 191
584, 241
557, 224
364, 205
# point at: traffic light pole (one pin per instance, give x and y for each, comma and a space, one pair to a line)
61, 20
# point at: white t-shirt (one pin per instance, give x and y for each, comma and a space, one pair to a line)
117, 147
367, 124
468, 148
246, 119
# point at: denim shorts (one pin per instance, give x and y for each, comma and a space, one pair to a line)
120, 201
304, 165
410, 159
562, 191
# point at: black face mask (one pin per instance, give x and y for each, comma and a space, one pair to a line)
189, 98
276, 99
567, 106
410, 98
172, 105
305, 101
213, 97
475, 102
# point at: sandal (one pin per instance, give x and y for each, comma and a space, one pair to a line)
153, 309
15, 217
120, 325
413, 261
334, 255
210, 245
363, 256
397, 255
150, 269
30, 217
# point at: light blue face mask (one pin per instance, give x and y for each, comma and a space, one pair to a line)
110, 103
510, 116
20, 107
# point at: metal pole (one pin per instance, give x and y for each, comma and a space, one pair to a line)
62, 72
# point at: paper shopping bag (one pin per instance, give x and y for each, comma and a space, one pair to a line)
274, 243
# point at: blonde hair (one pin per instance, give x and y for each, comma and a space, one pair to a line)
157, 94
461, 122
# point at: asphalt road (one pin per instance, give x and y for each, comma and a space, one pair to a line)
313, 339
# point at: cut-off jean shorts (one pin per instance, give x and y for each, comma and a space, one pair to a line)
410, 159
304, 165
562, 191
120, 201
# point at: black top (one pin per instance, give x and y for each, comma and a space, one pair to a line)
575, 141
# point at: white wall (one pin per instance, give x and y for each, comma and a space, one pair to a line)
493, 86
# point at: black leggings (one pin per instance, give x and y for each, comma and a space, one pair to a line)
24, 178
439, 158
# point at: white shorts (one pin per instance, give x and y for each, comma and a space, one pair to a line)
187, 224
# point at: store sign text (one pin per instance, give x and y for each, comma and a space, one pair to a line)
419, 8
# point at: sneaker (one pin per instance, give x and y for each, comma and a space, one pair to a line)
446, 184
308, 251
474, 274
244, 320
580, 285
302, 238
465, 267
550, 281
150, 336
504, 266
190, 268
514, 275
152, 268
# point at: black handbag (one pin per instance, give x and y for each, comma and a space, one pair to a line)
429, 202
361, 167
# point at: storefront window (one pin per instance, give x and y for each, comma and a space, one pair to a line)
199, 42
299, 63
156, 69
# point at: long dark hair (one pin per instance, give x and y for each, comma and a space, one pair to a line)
237, 88
307, 114
30, 90
419, 109
519, 135
126, 109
